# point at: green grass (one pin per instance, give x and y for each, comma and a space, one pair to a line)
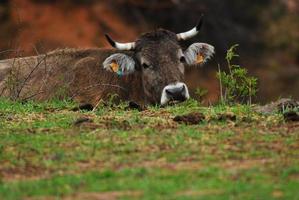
126, 154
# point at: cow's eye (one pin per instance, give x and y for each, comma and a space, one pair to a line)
145, 66
183, 59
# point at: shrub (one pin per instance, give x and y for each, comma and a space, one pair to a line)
236, 86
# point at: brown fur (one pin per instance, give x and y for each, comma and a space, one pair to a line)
77, 74
160, 50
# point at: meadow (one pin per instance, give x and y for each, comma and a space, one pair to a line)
52, 151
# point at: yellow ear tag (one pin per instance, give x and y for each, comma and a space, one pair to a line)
199, 59
114, 66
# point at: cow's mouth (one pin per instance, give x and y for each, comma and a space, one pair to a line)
174, 93
173, 102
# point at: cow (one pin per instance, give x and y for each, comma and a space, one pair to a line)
149, 70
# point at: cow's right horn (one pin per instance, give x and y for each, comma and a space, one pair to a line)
193, 32
120, 46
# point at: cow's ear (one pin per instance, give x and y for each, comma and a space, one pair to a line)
198, 53
119, 63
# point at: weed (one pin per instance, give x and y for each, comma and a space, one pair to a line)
236, 85
201, 93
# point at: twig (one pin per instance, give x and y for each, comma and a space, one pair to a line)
35, 49
29, 75
97, 105
220, 83
31, 96
8, 50
13, 87
3, 89
250, 99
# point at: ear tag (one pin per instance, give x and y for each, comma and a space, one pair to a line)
199, 59
114, 67
119, 73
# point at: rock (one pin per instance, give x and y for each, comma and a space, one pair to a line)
134, 105
291, 116
281, 105
82, 120
85, 106
287, 105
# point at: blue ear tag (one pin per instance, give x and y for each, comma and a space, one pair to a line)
119, 73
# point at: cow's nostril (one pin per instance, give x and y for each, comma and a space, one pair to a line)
183, 88
174, 92
168, 92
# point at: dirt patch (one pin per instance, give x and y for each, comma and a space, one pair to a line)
233, 165
85, 107
105, 195
113, 195
87, 123
7, 117
121, 125
135, 106
200, 193
25, 173
227, 117
182, 165
294, 177
104, 123
82, 120
277, 194
190, 119
81, 167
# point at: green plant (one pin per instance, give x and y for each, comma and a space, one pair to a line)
201, 93
236, 86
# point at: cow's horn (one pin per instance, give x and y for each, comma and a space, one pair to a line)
120, 46
193, 32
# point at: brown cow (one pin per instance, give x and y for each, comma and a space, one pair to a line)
148, 71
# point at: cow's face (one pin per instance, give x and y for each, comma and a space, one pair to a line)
161, 61
162, 65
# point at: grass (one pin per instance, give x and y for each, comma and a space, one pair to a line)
127, 154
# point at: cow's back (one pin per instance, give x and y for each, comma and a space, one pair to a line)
71, 73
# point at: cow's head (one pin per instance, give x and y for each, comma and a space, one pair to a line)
161, 60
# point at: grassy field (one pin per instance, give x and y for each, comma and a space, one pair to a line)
116, 153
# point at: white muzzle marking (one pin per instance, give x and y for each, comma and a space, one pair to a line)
165, 98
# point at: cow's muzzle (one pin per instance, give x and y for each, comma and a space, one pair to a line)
174, 92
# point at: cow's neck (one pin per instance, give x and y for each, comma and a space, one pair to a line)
134, 86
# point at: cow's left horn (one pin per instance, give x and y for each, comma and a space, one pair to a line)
120, 46
193, 32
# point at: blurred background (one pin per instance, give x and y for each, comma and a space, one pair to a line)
266, 30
